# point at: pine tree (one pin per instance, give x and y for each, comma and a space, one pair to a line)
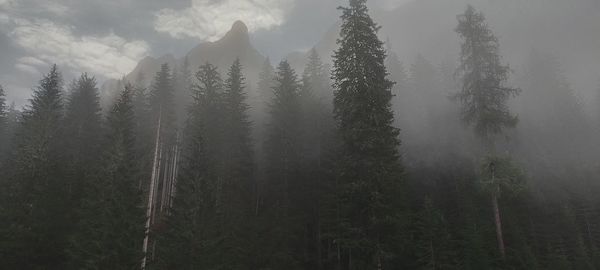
484, 95
144, 127
38, 218
317, 142
191, 231
230, 237
161, 103
434, 250
110, 228
259, 111
81, 135
266, 81
369, 166
159, 188
182, 81
182, 244
237, 141
282, 150
82, 122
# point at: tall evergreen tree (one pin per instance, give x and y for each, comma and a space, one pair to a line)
164, 141
316, 127
484, 93
282, 150
161, 97
238, 156
196, 225
82, 133
259, 112
143, 129
182, 81
369, 166
234, 205
434, 250
110, 228
484, 96
38, 218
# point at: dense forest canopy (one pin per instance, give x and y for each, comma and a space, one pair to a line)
346, 157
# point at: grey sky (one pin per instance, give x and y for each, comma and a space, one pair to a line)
107, 38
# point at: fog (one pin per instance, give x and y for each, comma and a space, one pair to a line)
250, 173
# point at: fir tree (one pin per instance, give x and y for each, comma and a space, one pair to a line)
38, 217
282, 150
161, 103
110, 229
369, 166
434, 250
191, 239
237, 141
230, 235
484, 95
317, 142
259, 115
81, 135
182, 81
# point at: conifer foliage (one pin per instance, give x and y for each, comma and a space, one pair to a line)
110, 228
271, 169
369, 166
39, 209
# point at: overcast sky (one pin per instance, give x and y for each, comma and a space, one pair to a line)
107, 38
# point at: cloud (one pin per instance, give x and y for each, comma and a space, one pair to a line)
46, 42
210, 19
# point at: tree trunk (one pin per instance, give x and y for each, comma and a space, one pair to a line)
498, 225
151, 193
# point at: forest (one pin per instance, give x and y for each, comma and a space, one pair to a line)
357, 163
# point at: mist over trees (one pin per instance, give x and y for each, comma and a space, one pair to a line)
369, 161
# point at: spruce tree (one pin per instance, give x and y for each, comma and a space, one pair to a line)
110, 228
434, 250
369, 169
259, 111
191, 237
81, 136
484, 93
182, 81
317, 142
238, 155
161, 97
38, 208
484, 96
163, 149
82, 122
282, 150
229, 238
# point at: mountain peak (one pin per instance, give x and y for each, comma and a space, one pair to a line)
239, 27
238, 33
